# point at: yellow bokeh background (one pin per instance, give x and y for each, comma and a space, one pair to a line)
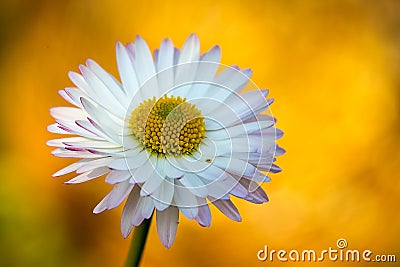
332, 67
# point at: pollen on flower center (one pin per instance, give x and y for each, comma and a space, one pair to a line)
168, 126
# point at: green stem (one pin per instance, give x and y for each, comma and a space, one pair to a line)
137, 244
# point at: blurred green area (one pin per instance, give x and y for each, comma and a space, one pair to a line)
332, 67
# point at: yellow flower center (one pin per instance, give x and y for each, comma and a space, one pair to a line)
168, 126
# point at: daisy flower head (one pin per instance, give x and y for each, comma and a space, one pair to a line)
176, 134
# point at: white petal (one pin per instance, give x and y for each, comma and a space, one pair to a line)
256, 193
189, 164
91, 130
148, 207
128, 211
230, 147
129, 163
109, 81
271, 133
145, 69
259, 195
79, 81
102, 206
58, 142
268, 167
130, 49
253, 106
247, 99
151, 184
132, 152
87, 176
188, 60
218, 190
126, 71
94, 164
64, 95
186, 201
259, 117
155, 53
138, 160
118, 194
101, 94
239, 130
144, 172
207, 150
230, 80
71, 141
212, 56
75, 95
68, 113
193, 183
64, 153
160, 167
164, 66
191, 49
205, 72
117, 176
171, 170
212, 173
240, 168
110, 124
56, 128
234, 187
165, 55
164, 194
119, 164
247, 108
177, 54
167, 224
71, 168
143, 60
107, 152
138, 217
90, 143
130, 143
80, 129
222, 117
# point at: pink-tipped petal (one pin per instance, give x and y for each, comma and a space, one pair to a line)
227, 208
204, 215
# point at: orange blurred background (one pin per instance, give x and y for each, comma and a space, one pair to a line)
332, 67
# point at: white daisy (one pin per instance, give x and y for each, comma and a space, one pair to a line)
173, 136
